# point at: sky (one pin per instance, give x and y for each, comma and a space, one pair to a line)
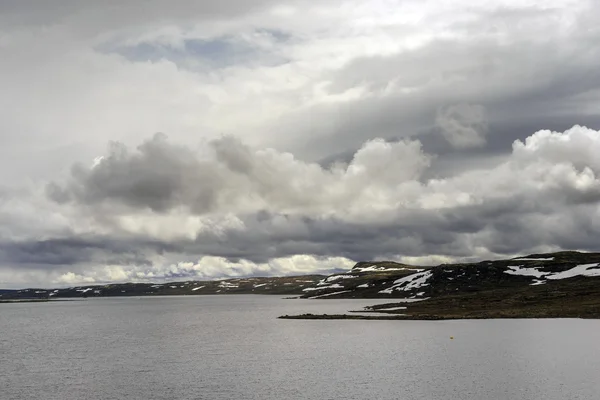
155, 141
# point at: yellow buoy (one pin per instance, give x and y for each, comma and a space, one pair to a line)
451, 337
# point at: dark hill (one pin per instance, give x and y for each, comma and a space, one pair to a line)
563, 284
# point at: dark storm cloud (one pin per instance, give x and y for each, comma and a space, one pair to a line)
73, 250
503, 227
159, 176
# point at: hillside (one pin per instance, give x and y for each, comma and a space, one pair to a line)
388, 279
291, 285
564, 284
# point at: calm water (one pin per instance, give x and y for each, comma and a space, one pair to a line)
233, 347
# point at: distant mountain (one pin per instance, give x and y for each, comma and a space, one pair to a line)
291, 285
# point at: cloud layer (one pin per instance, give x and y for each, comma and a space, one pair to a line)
297, 133
164, 211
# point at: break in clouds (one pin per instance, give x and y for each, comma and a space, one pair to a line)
298, 136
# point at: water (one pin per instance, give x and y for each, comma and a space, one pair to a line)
233, 347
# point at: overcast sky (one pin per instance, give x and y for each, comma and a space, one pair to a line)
186, 139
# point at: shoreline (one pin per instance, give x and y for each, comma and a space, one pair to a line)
24, 300
422, 317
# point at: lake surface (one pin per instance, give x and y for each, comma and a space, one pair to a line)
233, 347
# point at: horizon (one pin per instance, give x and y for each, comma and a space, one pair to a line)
201, 140
316, 272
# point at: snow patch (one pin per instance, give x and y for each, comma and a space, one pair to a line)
518, 270
334, 278
333, 286
374, 268
414, 281
580, 270
310, 289
330, 294
198, 287
391, 309
227, 285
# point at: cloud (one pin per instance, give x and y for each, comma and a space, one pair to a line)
228, 176
337, 129
270, 206
204, 268
210, 267
340, 77
463, 125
